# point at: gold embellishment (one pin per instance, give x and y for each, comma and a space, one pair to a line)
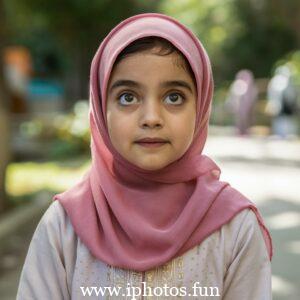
119, 277
170, 273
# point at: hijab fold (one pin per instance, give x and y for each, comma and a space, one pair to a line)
139, 219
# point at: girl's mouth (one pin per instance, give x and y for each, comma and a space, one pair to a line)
151, 144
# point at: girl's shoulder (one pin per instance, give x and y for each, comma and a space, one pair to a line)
55, 226
243, 220
54, 217
54, 213
243, 224
244, 234
51, 255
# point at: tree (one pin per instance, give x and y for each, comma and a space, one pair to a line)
241, 33
4, 116
74, 29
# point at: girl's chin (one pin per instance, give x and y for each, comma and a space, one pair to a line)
152, 166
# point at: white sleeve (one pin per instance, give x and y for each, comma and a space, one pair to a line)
248, 276
43, 275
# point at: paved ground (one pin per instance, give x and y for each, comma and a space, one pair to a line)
265, 170
12, 254
268, 172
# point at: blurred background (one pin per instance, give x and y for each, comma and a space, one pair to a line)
46, 48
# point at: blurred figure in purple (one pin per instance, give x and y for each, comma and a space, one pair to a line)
282, 103
241, 100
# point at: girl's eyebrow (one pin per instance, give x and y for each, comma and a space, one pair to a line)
131, 83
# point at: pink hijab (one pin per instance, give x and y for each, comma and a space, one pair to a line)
137, 219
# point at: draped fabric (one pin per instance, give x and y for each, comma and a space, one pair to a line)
138, 219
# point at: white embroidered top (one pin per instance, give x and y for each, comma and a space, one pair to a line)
230, 264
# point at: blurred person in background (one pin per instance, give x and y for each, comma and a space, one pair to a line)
282, 103
17, 72
241, 100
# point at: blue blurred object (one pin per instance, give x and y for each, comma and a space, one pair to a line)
41, 87
45, 96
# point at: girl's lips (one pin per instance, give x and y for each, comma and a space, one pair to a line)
152, 140
151, 144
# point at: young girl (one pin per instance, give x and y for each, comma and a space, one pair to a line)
150, 219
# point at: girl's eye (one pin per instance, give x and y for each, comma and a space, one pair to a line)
126, 99
176, 98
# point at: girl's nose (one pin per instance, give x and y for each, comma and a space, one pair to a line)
151, 114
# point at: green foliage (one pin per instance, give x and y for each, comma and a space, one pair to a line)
72, 132
212, 21
27, 178
241, 34
265, 38
237, 34
292, 60
67, 32
65, 134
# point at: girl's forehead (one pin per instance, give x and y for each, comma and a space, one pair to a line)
146, 64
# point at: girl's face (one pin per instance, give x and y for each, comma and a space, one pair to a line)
150, 96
